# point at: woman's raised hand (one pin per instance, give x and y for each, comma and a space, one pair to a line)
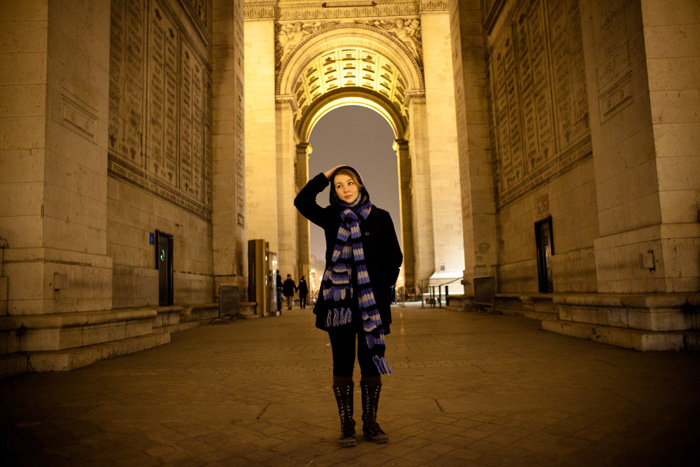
328, 173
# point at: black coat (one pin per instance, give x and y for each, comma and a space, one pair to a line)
302, 288
289, 287
383, 255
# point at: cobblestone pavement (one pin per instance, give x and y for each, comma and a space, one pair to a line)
468, 389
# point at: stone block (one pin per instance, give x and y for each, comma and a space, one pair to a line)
136, 328
3, 291
679, 206
21, 166
25, 280
672, 74
680, 139
22, 100
622, 337
33, 340
672, 40
22, 133
595, 315
20, 36
677, 106
679, 173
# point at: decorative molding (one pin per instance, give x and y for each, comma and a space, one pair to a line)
78, 118
121, 170
492, 12
312, 11
579, 152
259, 10
198, 13
287, 99
427, 6
405, 31
326, 5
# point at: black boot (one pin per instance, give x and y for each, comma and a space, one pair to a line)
370, 403
343, 396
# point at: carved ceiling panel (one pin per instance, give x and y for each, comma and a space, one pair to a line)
350, 67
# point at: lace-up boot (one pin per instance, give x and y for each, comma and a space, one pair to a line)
370, 403
343, 396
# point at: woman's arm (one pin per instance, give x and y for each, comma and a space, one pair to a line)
305, 201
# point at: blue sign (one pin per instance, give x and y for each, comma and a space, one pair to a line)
151, 238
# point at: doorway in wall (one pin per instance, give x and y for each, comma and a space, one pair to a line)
545, 250
164, 264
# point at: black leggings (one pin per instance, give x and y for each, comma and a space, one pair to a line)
343, 346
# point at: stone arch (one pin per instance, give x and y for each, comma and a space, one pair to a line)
350, 96
337, 35
343, 64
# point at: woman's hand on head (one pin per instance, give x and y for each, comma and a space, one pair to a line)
329, 173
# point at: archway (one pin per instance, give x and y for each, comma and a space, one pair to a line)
361, 137
349, 64
375, 62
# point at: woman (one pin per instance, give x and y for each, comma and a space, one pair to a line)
363, 258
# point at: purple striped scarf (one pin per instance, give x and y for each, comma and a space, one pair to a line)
348, 253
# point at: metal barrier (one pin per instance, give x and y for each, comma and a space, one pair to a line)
435, 294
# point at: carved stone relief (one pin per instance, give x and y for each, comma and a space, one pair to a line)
539, 110
407, 31
160, 111
309, 11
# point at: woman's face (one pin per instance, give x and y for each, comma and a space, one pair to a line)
345, 188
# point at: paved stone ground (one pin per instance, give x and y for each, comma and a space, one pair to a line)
468, 389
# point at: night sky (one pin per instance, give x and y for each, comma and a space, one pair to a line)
359, 137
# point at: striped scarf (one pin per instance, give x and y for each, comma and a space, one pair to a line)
348, 253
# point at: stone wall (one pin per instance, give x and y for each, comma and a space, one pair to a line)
541, 139
160, 149
53, 187
642, 63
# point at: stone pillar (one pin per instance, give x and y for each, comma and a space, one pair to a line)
287, 224
442, 138
303, 227
260, 124
421, 202
53, 156
406, 206
476, 167
228, 188
643, 105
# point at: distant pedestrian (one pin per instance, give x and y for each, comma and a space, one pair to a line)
289, 288
363, 258
280, 291
303, 292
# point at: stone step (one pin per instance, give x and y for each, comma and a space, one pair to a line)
61, 331
69, 359
643, 340
75, 358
